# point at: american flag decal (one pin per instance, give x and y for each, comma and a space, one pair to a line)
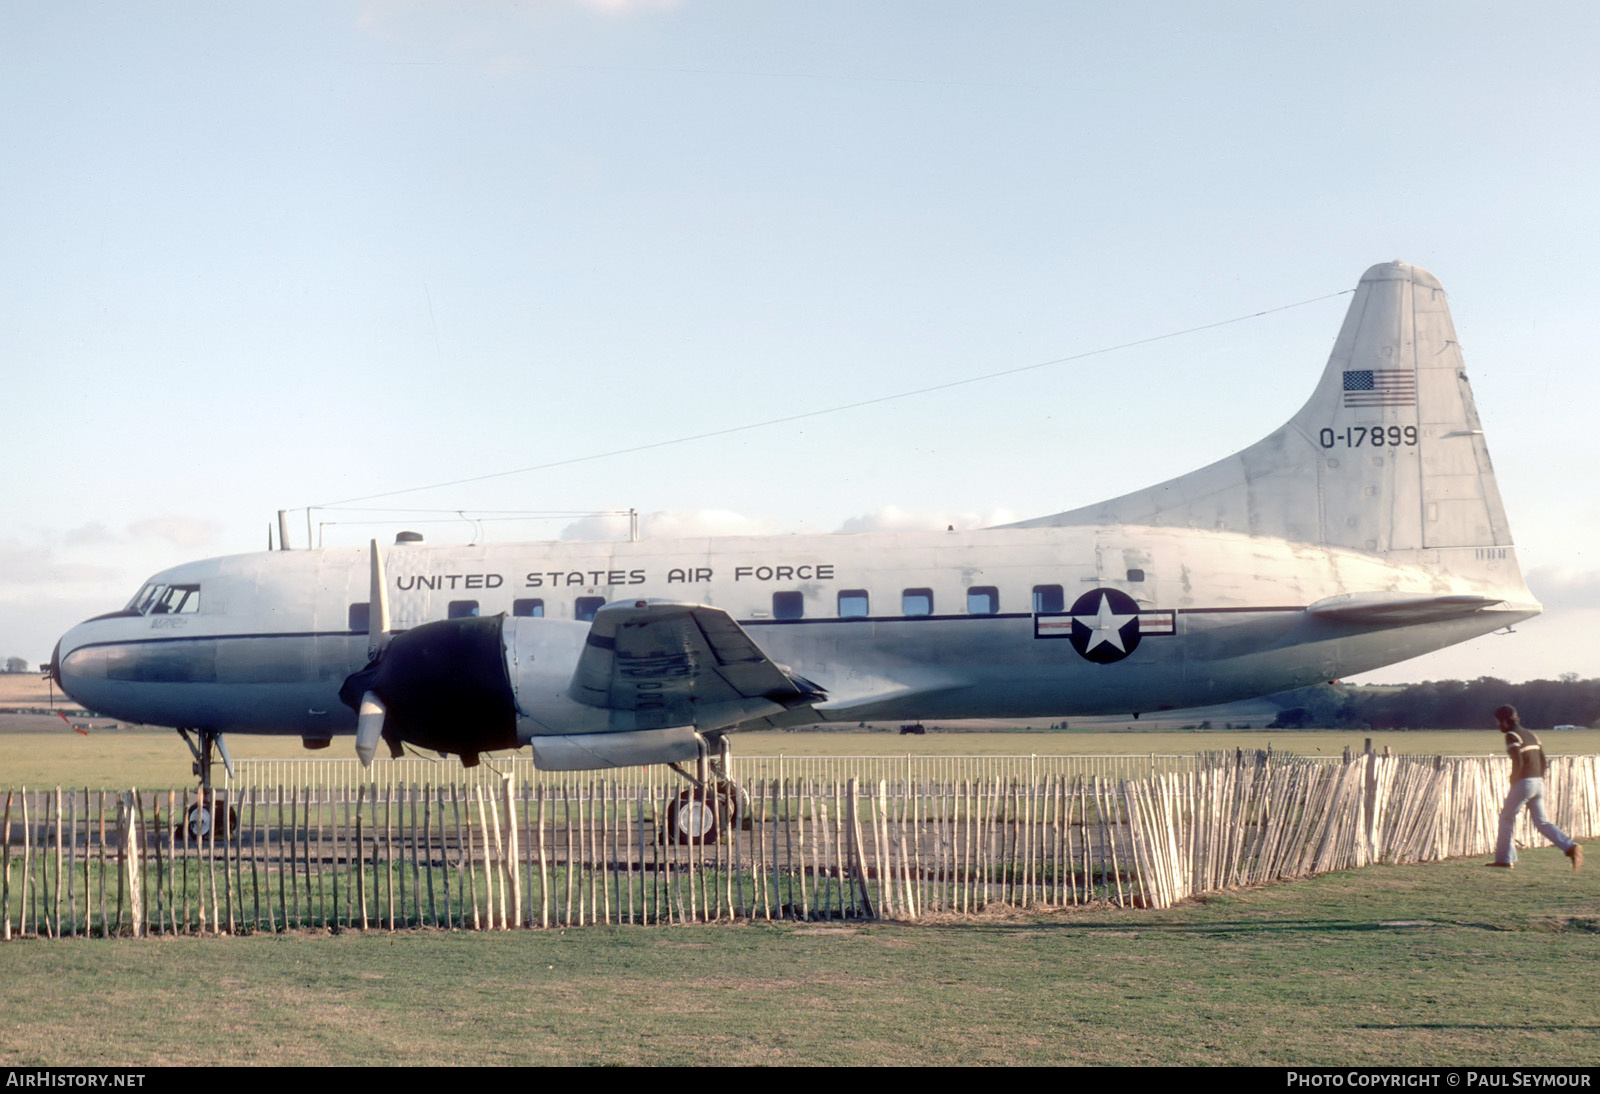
1380, 387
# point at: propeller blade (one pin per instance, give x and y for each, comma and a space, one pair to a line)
377, 607
369, 727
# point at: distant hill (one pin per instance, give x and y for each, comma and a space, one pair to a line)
1440, 704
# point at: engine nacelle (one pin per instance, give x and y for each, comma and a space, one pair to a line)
467, 686
444, 686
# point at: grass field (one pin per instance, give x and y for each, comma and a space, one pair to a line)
1421, 965
40, 750
50, 754
152, 758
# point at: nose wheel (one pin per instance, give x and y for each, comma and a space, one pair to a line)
203, 814
198, 820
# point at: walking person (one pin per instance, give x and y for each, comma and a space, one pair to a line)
1527, 788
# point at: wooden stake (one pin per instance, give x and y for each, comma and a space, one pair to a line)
5, 876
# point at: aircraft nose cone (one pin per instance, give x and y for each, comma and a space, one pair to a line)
67, 666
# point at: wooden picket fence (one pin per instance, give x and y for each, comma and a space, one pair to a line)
576, 852
908, 767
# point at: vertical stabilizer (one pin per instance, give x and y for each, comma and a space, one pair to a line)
1387, 456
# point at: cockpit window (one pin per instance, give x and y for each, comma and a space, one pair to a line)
155, 599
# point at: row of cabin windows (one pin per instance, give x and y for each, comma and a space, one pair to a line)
981, 600
852, 604
583, 610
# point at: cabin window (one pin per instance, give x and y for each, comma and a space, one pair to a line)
1135, 575
1048, 598
463, 609
361, 617
916, 602
585, 607
788, 605
528, 609
983, 600
852, 603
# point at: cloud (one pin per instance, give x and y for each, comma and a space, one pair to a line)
600, 526
1565, 587
671, 524
92, 534
186, 532
24, 567
696, 523
681, 523
90, 559
891, 518
477, 32
621, 7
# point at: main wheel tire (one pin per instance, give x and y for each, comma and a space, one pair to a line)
197, 822
697, 817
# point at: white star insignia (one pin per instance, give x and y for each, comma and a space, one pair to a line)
1104, 626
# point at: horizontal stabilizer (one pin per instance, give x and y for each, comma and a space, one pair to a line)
1398, 609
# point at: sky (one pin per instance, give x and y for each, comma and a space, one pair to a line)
263, 256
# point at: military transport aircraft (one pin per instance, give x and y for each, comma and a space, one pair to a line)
1365, 531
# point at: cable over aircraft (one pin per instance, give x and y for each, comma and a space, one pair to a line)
1365, 531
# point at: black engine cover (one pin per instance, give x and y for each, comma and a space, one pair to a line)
445, 687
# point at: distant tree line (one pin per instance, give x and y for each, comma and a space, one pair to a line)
1441, 704
16, 664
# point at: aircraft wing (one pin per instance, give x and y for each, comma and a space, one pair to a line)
1398, 609
681, 664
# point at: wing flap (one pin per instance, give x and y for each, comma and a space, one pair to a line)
681, 664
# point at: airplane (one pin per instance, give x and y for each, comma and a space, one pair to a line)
1366, 530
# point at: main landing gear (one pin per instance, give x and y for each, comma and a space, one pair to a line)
714, 804
199, 818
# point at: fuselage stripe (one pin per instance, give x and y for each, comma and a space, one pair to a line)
741, 622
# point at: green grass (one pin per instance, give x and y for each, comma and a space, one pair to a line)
49, 754
1422, 965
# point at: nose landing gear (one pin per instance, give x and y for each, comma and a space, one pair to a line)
199, 819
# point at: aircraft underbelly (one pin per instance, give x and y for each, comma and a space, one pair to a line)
999, 669
272, 684
304, 710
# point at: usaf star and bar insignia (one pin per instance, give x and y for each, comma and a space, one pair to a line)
1104, 625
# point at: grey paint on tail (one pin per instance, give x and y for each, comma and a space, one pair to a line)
1386, 457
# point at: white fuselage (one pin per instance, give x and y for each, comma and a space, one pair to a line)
1006, 622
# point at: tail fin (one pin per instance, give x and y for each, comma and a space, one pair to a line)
1386, 457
